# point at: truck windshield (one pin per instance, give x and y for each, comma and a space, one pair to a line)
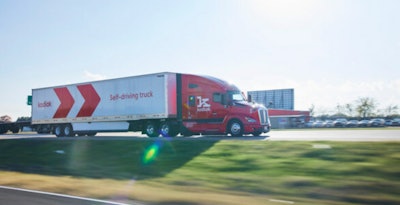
236, 96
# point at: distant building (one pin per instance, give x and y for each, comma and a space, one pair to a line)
274, 99
280, 104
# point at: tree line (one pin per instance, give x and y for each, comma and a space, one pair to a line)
363, 107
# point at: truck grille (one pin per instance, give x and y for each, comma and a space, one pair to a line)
263, 116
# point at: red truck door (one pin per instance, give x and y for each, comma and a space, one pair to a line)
203, 109
219, 109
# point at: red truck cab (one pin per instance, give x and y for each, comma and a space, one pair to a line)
213, 106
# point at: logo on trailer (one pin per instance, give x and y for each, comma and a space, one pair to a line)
44, 104
203, 105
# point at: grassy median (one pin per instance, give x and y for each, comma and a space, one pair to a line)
188, 171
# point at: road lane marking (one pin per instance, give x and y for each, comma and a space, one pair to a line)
64, 195
281, 201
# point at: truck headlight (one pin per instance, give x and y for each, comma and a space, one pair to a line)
250, 120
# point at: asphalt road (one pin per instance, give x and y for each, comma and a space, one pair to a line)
357, 135
360, 135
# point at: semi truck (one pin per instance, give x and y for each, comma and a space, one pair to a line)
156, 104
6, 124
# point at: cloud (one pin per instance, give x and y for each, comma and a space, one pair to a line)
93, 76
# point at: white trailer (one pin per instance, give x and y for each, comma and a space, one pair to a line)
108, 105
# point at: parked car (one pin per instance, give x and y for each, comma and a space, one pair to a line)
396, 122
352, 123
327, 123
318, 124
363, 123
376, 122
388, 122
340, 122
310, 124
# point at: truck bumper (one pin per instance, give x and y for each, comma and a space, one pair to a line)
251, 128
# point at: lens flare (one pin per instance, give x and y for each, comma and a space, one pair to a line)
151, 153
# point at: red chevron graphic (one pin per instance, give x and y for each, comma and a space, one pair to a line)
92, 99
66, 102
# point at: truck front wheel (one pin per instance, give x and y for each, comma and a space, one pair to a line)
235, 127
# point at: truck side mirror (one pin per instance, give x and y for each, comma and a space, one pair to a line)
249, 98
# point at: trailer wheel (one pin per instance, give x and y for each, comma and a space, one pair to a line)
235, 127
3, 130
58, 131
39, 129
15, 130
68, 131
152, 130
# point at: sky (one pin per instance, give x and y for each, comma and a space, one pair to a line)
330, 51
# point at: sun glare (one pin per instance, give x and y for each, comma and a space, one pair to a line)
285, 11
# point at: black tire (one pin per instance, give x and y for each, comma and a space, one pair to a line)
68, 131
15, 130
39, 129
151, 129
235, 128
3, 130
168, 130
58, 131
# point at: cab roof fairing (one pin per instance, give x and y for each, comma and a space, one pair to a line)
222, 83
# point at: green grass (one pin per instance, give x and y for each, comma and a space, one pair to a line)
348, 173
116, 159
